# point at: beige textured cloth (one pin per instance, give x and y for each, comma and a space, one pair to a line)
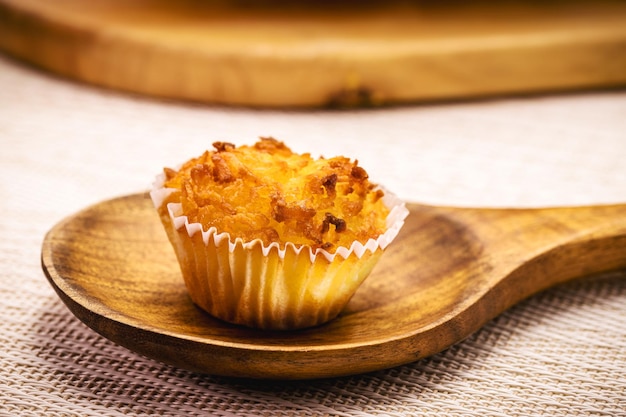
66, 146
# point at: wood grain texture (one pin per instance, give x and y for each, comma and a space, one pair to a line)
449, 272
269, 54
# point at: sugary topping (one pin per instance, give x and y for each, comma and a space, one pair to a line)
267, 192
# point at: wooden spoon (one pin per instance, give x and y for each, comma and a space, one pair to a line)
449, 272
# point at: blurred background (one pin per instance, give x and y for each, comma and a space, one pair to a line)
322, 54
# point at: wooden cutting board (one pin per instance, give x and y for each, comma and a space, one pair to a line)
302, 53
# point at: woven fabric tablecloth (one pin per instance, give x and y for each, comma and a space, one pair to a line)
65, 146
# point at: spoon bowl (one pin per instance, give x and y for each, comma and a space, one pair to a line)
449, 271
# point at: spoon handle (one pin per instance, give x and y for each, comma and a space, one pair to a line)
525, 251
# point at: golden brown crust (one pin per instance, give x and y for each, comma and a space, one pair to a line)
267, 192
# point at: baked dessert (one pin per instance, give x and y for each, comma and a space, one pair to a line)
272, 239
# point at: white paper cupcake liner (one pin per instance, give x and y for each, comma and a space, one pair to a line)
269, 286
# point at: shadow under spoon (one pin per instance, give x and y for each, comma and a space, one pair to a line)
448, 272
